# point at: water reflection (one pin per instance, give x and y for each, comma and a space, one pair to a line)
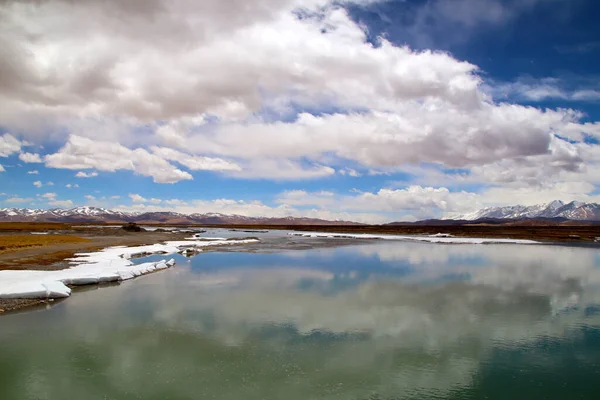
379, 321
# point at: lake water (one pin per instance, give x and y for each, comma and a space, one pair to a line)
382, 320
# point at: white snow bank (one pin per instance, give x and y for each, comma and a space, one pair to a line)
109, 265
431, 239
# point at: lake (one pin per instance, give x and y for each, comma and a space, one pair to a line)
371, 320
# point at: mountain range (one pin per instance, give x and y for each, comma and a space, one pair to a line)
103, 215
555, 209
574, 210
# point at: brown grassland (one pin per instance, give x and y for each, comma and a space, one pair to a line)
19, 242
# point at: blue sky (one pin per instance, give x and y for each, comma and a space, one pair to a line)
363, 110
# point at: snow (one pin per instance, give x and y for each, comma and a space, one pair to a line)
109, 265
430, 239
553, 209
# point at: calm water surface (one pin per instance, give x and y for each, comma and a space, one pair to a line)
387, 320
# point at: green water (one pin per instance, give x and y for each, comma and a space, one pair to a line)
379, 321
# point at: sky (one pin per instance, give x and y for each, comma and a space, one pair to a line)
363, 110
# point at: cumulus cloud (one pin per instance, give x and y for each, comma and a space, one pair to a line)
384, 205
399, 204
85, 153
49, 196
283, 169
82, 174
90, 197
9, 145
195, 162
253, 208
39, 184
205, 88
33, 172
30, 157
350, 172
71, 185
136, 198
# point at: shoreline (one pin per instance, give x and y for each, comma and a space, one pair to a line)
550, 234
100, 239
23, 288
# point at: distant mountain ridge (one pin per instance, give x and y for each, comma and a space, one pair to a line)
103, 215
574, 210
555, 210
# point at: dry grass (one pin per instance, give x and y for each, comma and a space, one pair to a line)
19, 242
32, 226
45, 261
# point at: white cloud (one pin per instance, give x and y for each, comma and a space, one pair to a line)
413, 202
384, 205
567, 191
49, 196
53, 201
213, 89
197, 79
254, 209
90, 197
71, 185
136, 198
61, 203
531, 89
9, 145
82, 174
39, 184
83, 153
175, 202
586, 95
195, 163
18, 200
2, 168
419, 132
350, 172
30, 157
33, 172
115, 197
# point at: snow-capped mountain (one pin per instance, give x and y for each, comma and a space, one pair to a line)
103, 215
575, 210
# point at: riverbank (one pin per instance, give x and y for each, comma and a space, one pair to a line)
43, 252
49, 247
541, 233
112, 264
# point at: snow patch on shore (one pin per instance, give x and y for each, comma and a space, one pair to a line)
109, 265
438, 238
